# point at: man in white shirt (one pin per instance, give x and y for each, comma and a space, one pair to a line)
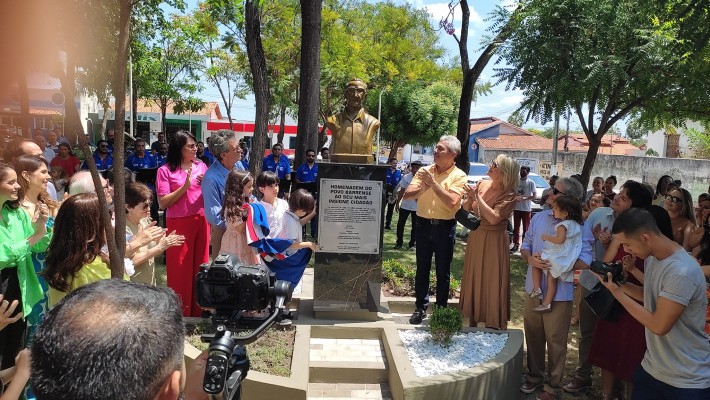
405, 208
523, 209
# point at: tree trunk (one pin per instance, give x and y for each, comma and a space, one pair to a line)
118, 241
309, 84
463, 126
471, 75
282, 123
25, 106
163, 112
594, 143
257, 65
393, 150
134, 106
74, 129
104, 121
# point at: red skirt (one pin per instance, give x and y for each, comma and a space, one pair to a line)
619, 347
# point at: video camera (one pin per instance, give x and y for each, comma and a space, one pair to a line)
231, 292
616, 269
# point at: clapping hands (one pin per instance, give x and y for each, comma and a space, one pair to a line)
6, 310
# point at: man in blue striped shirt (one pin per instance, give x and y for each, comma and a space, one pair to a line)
550, 330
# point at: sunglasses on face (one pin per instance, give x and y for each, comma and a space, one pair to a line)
555, 191
673, 199
494, 165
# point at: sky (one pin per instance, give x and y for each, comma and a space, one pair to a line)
499, 103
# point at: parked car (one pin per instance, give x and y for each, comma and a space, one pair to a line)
477, 172
540, 185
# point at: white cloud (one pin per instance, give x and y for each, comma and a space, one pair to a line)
441, 10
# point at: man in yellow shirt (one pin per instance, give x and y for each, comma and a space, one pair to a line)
438, 189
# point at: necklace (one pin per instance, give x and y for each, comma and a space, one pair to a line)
31, 203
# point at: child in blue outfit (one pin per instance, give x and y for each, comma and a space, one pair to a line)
296, 257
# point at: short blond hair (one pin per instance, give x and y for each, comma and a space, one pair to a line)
511, 171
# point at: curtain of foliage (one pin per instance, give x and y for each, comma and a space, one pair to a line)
309, 96
413, 112
166, 70
605, 59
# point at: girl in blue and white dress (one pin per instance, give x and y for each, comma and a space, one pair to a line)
561, 249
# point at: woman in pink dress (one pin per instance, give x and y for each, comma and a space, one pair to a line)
180, 195
237, 192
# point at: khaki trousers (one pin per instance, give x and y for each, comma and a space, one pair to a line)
587, 323
547, 330
216, 234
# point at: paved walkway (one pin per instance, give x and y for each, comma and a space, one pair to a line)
336, 391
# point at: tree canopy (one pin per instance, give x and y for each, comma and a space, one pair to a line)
608, 59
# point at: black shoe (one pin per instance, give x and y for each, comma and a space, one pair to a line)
397, 246
412, 247
417, 317
514, 248
388, 228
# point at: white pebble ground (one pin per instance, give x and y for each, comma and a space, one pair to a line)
466, 350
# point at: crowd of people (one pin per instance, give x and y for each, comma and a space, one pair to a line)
654, 345
53, 243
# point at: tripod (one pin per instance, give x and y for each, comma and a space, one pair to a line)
228, 361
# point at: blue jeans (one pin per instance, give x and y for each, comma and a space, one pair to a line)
646, 387
434, 238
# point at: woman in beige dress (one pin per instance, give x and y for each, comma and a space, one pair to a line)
485, 287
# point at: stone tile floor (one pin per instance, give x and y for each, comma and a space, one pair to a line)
356, 350
348, 350
332, 391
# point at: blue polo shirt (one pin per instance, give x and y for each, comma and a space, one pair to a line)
306, 174
280, 168
134, 163
160, 159
101, 165
207, 153
393, 177
213, 184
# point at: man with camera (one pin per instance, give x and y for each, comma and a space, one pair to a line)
549, 331
672, 309
114, 339
601, 220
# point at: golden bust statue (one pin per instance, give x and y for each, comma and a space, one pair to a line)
353, 128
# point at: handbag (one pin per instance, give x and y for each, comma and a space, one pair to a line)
468, 219
603, 303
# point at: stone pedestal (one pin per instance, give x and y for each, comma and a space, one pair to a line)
348, 269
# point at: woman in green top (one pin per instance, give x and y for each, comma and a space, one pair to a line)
75, 257
33, 176
20, 236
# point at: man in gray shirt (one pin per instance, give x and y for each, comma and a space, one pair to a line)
677, 360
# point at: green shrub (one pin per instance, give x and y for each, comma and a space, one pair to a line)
444, 323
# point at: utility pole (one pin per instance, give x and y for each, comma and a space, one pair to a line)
556, 134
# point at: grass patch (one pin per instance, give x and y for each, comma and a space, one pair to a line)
271, 354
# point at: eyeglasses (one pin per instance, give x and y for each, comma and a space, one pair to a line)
494, 165
673, 199
556, 191
145, 205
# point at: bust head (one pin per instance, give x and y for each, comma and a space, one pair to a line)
355, 93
